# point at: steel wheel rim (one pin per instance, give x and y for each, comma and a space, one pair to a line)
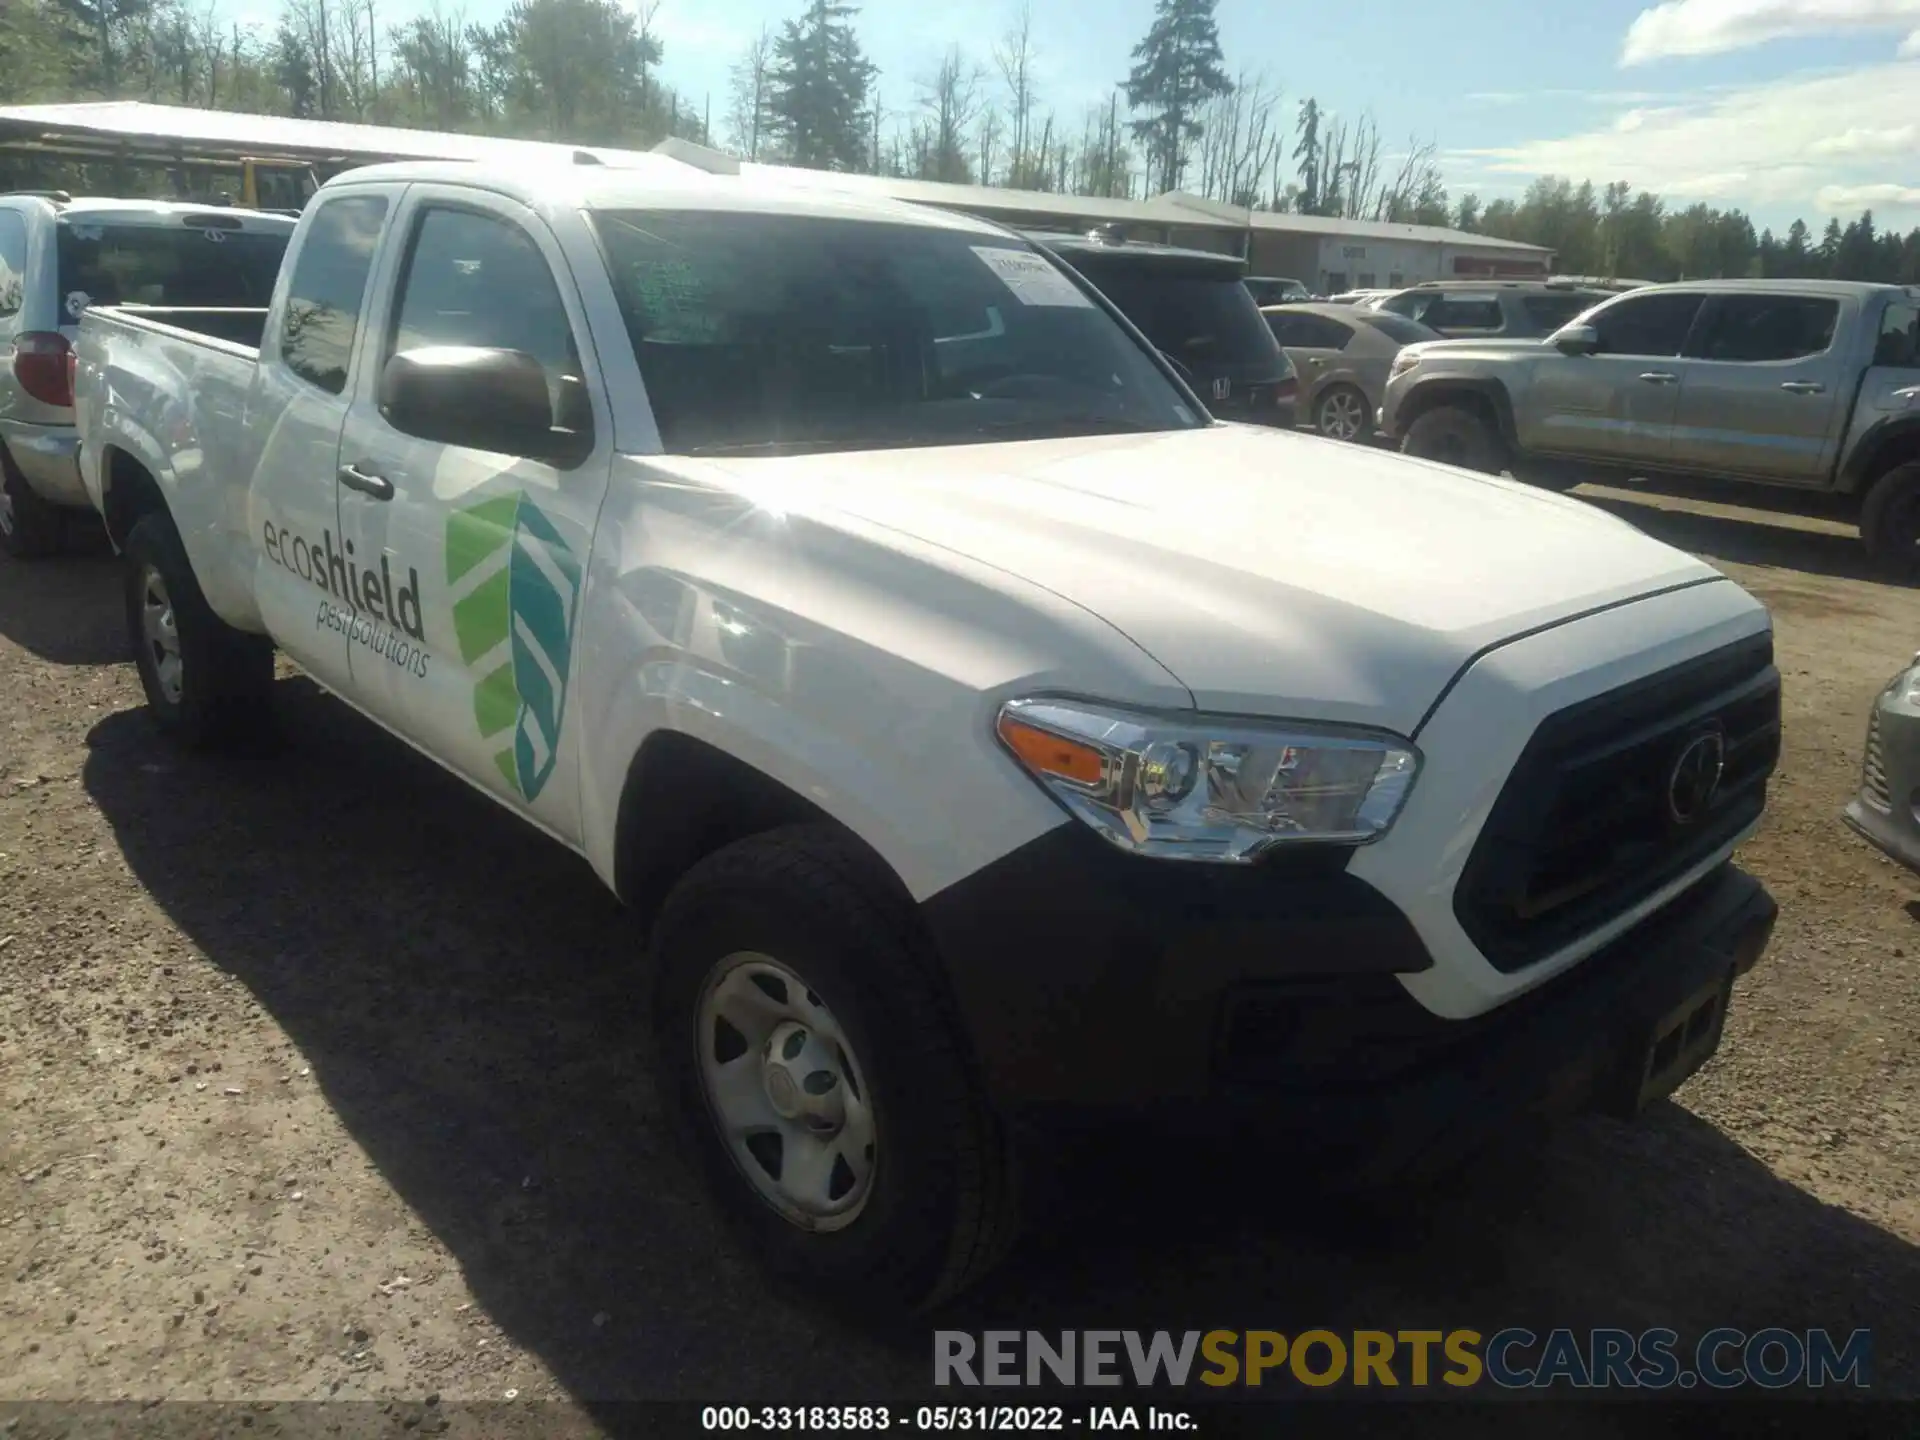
785, 1091
161, 633
1340, 416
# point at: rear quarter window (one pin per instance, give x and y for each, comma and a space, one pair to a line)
172, 265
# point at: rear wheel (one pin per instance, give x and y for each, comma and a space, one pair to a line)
206, 682
1454, 435
1343, 414
30, 528
1890, 520
802, 1036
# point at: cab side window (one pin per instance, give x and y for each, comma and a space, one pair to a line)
1899, 344
479, 280
328, 287
1654, 325
1757, 328
13, 262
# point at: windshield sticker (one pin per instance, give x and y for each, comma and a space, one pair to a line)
1030, 277
89, 232
77, 303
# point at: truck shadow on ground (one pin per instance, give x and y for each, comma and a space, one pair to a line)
466, 994
1754, 538
67, 611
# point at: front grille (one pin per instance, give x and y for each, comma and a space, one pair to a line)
1873, 771
1585, 828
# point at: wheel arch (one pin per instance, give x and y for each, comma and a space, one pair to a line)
684, 798
1886, 447
1487, 398
128, 492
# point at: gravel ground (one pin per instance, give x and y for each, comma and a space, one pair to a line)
321, 1077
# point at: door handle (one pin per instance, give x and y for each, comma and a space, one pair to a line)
1659, 377
1804, 387
378, 486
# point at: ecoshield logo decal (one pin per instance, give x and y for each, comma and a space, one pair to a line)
378, 614
514, 584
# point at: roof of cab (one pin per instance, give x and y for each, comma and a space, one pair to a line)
656, 182
104, 209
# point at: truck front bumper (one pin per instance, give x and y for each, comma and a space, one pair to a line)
1100, 989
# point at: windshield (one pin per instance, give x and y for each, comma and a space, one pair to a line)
109, 264
1206, 320
784, 333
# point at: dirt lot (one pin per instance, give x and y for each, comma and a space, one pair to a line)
318, 1077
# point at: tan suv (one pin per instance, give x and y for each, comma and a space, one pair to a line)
1810, 384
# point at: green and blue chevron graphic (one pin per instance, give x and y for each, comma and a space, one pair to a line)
515, 584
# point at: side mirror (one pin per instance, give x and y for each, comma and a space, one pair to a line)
474, 397
1577, 340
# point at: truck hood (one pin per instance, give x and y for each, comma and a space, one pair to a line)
1271, 573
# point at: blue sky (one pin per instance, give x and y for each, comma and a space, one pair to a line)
1784, 107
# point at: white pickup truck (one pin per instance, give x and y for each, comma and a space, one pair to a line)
999, 747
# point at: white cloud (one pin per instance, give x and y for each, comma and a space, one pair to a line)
1769, 146
1901, 140
1707, 27
1848, 199
1910, 47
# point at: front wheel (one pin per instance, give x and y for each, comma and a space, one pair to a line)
1343, 414
206, 682
1890, 520
804, 1043
1455, 435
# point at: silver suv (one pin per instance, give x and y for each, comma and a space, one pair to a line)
59, 255
1509, 309
1808, 384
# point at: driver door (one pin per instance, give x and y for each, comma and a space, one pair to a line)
1619, 404
469, 564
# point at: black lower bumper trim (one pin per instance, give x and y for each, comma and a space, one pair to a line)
1273, 1003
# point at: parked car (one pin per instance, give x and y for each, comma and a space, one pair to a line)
1808, 384
1343, 354
1276, 290
59, 254
1512, 309
1192, 305
1886, 809
995, 744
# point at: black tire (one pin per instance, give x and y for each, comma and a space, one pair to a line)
940, 1209
30, 528
1890, 521
222, 690
1454, 435
1325, 418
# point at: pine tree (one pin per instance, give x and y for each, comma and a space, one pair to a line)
1795, 260
1307, 152
1177, 68
818, 86
1829, 253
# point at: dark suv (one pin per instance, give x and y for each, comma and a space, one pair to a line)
1508, 309
1191, 304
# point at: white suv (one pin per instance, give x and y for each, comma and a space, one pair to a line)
57, 256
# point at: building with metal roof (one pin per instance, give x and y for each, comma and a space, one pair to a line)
1328, 255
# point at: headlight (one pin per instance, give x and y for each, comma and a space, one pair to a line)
1194, 788
1908, 683
1402, 363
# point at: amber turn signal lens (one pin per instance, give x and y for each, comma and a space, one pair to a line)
1050, 754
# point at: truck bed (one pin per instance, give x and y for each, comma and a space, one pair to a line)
237, 329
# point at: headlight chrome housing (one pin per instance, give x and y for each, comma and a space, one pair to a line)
1193, 787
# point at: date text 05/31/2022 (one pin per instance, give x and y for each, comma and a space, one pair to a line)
934, 1418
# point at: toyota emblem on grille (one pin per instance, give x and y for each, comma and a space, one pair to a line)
1695, 777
